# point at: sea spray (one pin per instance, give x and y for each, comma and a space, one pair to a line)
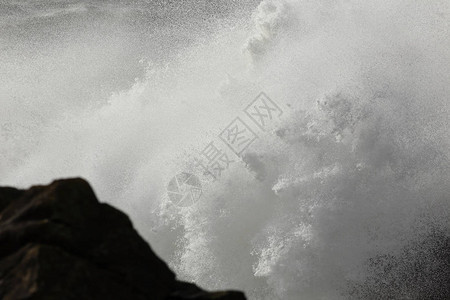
356, 172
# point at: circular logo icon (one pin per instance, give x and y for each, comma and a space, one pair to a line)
184, 189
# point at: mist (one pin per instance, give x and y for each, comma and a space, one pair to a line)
356, 167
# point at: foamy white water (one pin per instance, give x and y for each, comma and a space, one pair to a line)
357, 168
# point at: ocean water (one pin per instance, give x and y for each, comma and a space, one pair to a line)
336, 199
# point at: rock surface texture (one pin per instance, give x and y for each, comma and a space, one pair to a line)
59, 242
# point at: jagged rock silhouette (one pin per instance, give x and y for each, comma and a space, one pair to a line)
59, 242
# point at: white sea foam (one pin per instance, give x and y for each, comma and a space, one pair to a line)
356, 165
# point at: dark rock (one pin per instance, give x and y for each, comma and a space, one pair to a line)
184, 290
59, 242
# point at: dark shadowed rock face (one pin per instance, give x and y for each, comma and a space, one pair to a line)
59, 242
